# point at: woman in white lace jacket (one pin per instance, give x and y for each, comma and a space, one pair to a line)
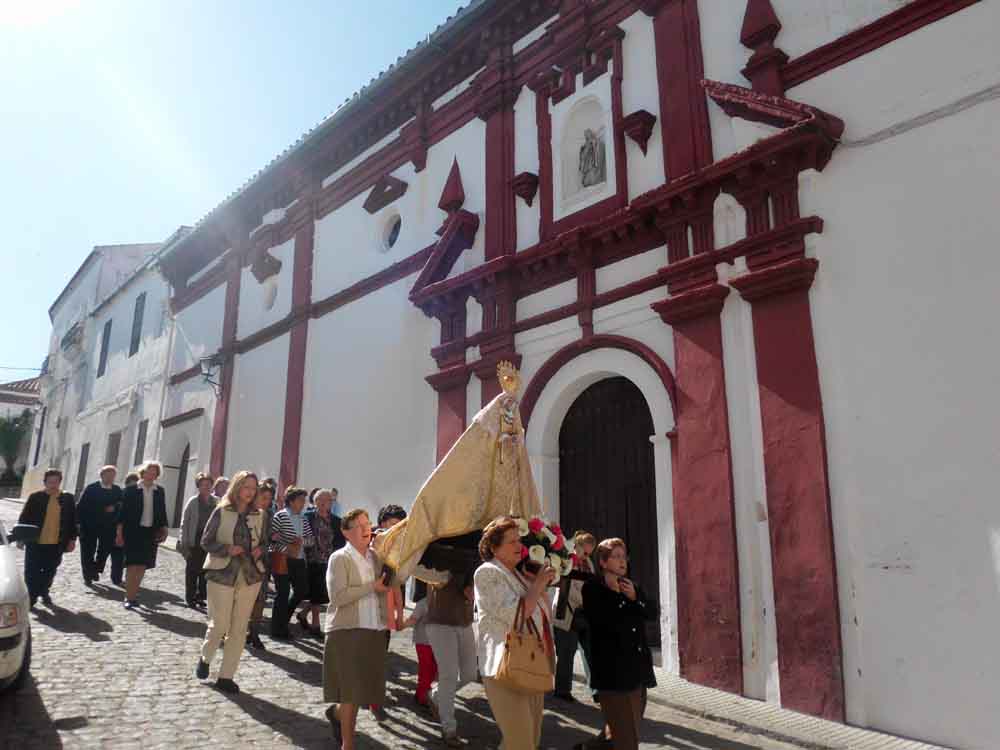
499, 587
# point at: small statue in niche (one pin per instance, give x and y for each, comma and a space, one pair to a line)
593, 162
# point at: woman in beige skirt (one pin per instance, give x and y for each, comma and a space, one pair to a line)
357, 633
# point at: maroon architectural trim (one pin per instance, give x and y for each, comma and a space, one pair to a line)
599, 341
188, 295
6, 398
777, 111
639, 127
525, 185
182, 417
687, 139
708, 593
184, 375
384, 192
760, 27
807, 608
295, 380
453, 194
220, 424
457, 235
890, 27
451, 386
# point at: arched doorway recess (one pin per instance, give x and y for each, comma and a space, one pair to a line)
607, 482
179, 498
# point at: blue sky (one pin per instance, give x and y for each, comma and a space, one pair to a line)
122, 119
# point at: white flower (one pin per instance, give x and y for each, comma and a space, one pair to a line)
570, 545
536, 553
556, 562
567, 566
549, 534
522, 527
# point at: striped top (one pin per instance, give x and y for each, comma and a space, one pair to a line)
283, 526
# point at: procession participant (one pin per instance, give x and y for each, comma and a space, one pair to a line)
427, 671
132, 478
262, 503
234, 541
54, 513
142, 525
220, 488
389, 516
500, 590
449, 630
571, 628
96, 511
197, 511
621, 663
293, 536
328, 538
354, 659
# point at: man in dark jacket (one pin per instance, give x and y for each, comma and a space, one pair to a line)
54, 513
96, 513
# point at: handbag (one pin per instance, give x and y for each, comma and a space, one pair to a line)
279, 563
525, 666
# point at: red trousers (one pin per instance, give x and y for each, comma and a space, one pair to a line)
427, 671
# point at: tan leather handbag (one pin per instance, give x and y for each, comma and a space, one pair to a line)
526, 666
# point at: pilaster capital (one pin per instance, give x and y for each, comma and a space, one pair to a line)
696, 303
781, 278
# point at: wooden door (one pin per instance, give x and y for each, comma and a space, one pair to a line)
606, 476
182, 475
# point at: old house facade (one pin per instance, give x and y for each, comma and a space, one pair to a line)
742, 254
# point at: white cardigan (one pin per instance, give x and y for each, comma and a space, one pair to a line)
497, 594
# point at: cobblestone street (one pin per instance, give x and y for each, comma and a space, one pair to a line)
104, 677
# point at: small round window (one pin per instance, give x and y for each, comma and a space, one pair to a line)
390, 234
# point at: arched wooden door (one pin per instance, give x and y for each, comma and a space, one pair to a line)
182, 474
606, 475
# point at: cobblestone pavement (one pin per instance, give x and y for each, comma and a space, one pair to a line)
104, 677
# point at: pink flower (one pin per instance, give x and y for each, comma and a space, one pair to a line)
556, 530
536, 525
524, 552
558, 544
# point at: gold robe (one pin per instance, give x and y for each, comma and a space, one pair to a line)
485, 474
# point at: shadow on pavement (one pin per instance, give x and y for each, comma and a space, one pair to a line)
67, 621
304, 731
311, 673
40, 733
178, 625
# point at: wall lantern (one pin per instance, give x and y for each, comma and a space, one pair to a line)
210, 368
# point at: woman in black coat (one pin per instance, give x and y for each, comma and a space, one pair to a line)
621, 667
142, 525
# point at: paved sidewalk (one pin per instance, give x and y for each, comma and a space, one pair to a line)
104, 677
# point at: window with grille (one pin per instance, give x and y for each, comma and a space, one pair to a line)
140, 442
102, 363
140, 308
114, 444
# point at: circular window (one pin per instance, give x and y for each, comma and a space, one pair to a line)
390, 233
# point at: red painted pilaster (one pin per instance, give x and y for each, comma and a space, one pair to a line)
687, 136
451, 386
807, 608
708, 594
220, 424
297, 345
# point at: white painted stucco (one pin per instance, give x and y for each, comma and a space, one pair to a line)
262, 304
640, 91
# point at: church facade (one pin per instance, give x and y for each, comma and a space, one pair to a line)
742, 254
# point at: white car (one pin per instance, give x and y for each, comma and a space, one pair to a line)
15, 624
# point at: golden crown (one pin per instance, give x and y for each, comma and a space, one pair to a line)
509, 378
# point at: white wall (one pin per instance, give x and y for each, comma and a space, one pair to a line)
369, 419
276, 291
198, 329
257, 409
526, 160
640, 90
348, 241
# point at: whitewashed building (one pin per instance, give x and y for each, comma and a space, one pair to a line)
743, 253
102, 388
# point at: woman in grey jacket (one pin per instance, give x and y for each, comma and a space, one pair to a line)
234, 541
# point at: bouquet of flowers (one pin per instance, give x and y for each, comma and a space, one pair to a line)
542, 543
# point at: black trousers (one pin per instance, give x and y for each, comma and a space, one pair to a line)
96, 546
40, 564
194, 575
296, 582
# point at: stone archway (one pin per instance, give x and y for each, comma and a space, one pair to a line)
548, 400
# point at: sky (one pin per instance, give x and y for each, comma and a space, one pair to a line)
121, 120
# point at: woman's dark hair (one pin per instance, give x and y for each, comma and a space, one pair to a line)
293, 493
493, 535
52, 473
390, 511
350, 517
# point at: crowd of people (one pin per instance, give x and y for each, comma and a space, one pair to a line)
241, 537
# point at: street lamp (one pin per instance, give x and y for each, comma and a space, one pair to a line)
210, 367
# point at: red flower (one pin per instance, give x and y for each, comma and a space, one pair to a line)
536, 525
558, 544
524, 552
556, 530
